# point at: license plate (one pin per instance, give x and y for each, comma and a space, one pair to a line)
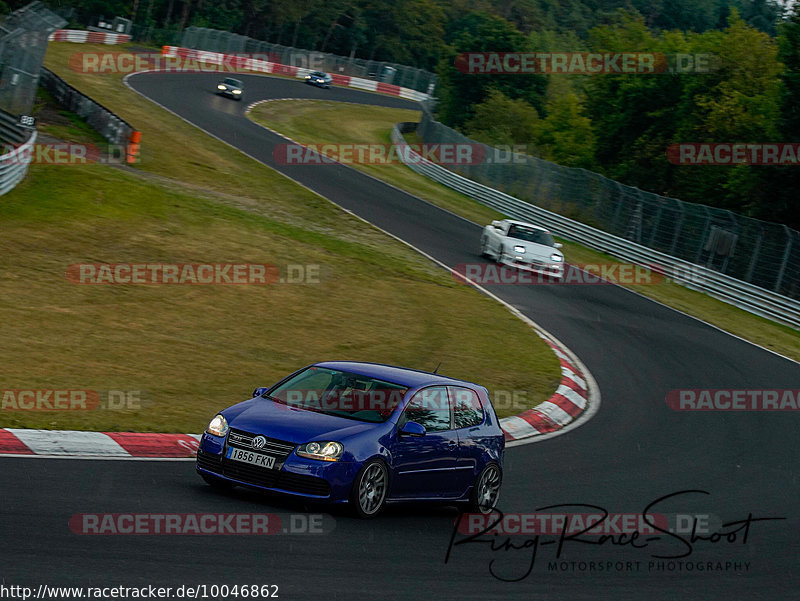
250, 457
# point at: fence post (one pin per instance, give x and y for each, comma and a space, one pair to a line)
785, 260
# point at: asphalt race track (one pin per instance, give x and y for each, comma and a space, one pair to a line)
634, 451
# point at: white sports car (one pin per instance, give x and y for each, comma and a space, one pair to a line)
523, 245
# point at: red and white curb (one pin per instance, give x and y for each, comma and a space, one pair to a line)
88, 37
105, 445
568, 403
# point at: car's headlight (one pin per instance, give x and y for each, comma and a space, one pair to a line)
556, 258
237, 91
308, 77
320, 81
519, 249
324, 451
220, 87
217, 426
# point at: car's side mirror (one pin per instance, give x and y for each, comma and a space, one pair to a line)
259, 391
413, 429
558, 245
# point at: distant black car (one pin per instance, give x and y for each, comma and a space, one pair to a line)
319, 79
230, 87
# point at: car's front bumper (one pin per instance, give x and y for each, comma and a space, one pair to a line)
328, 481
548, 268
318, 84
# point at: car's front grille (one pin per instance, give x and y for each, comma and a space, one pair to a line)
280, 449
261, 476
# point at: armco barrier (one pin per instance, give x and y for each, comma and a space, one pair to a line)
14, 164
113, 128
754, 299
250, 63
88, 37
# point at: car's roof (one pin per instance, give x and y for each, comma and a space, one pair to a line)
526, 224
404, 376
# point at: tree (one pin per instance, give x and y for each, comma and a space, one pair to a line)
500, 120
459, 92
565, 135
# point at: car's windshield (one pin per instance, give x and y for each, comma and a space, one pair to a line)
339, 393
233, 82
530, 234
317, 74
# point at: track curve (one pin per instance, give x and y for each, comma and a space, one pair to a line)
633, 452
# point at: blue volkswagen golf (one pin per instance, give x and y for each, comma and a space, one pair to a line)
363, 434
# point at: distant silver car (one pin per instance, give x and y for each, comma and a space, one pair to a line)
230, 87
523, 245
319, 79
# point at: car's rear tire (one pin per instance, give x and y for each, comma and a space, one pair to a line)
370, 489
217, 483
486, 491
499, 257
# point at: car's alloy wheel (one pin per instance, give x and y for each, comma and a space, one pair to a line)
370, 488
486, 491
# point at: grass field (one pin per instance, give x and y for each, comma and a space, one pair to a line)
191, 350
321, 122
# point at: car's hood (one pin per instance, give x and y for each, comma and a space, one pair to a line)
539, 252
276, 420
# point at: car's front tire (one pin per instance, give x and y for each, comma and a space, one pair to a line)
486, 491
370, 489
499, 257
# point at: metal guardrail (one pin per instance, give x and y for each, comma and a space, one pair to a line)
14, 164
749, 297
113, 128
